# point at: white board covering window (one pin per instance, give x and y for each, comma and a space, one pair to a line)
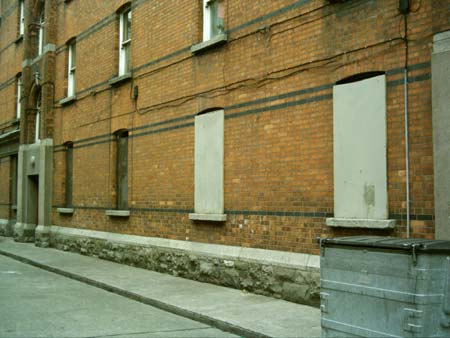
360, 168
209, 154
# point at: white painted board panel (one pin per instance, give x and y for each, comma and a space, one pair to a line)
209, 135
360, 178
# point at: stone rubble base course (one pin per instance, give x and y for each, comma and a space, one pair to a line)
289, 276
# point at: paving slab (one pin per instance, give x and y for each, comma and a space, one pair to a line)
228, 309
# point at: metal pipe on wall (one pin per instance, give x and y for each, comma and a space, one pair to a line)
406, 118
408, 220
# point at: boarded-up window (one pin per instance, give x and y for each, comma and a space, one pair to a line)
14, 179
360, 179
69, 173
122, 170
209, 136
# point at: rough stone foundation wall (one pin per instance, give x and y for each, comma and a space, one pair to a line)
288, 283
3, 227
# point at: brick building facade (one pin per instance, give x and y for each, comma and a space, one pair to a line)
195, 129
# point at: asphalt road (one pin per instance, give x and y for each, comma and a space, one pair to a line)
37, 303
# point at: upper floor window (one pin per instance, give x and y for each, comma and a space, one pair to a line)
213, 19
37, 123
71, 57
124, 41
21, 17
41, 33
18, 95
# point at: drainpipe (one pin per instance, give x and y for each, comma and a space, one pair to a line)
408, 221
404, 9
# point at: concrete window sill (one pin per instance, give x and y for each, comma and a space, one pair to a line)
361, 223
208, 217
115, 81
117, 213
205, 45
68, 100
67, 211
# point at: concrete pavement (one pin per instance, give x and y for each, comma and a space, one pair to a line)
38, 303
227, 309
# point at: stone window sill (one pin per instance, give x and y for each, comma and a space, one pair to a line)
67, 211
208, 217
68, 100
117, 213
19, 39
361, 223
205, 45
115, 81
14, 207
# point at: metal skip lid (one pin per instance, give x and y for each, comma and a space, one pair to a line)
409, 244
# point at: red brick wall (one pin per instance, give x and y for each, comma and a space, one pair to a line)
274, 78
10, 65
5, 188
11, 61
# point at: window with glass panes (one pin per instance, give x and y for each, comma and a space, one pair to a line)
71, 69
125, 42
41, 33
19, 96
213, 18
21, 17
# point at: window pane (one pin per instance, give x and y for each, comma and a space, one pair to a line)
127, 57
217, 12
129, 25
38, 118
21, 19
72, 55
19, 94
41, 33
126, 29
